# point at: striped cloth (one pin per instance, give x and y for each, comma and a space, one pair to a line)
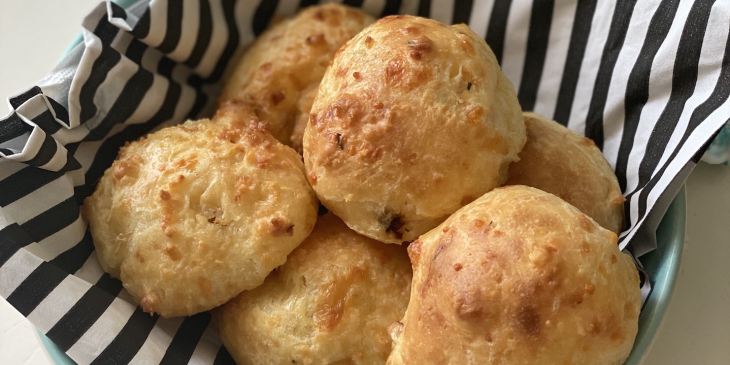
648, 81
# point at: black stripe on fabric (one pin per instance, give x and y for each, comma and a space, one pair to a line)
263, 15
13, 127
129, 340
108, 150
353, 3
24, 182
109, 284
462, 11
719, 96
392, 7
306, 3
6, 152
18, 100
142, 28
223, 357
82, 315
108, 58
106, 31
45, 153
684, 80
73, 259
36, 287
165, 67
616, 36
135, 51
129, 99
233, 38
498, 27
537, 44
200, 100
173, 29
637, 89
118, 11
61, 112
424, 8
205, 31
71, 164
52, 220
12, 238
46, 122
186, 338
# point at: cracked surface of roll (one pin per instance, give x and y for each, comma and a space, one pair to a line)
518, 277
192, 215
331, 303
564, 163
413, 120
287, 62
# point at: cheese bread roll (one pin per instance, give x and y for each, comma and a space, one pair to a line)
192, 215
413, 120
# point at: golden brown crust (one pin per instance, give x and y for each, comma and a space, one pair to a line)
412, 120
564, 163
518, 277
331, 303
192, 215
288, 60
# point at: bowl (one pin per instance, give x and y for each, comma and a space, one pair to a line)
662, 265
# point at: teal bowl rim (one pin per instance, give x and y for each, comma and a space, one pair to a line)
670, 248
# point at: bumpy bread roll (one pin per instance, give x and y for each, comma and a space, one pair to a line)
562, 162
518, 277
289, 59
413, 120
192, 215
331, 303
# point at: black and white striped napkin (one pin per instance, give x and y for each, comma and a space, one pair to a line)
648, 81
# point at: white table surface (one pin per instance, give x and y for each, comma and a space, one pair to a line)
695, 331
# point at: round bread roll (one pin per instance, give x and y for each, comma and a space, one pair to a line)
288, 60
518, 277
413, 120
562, 162
331, 303
192, 215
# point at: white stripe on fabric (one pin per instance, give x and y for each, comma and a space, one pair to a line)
39, 201
58, 160
442, 11
220, 35
479, 17
408, 7
91, 271
102, 332
286, 7
10, 167
373, 7
109, 90
151, 103
14, 271
207, 348
86, 152
557, 52
712, 54
52, 246
154, 348
58, 302
589, 66
5, 219
188, 31
158, 23
31, 144
660, 88
687, 151
515, 42
614, 111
